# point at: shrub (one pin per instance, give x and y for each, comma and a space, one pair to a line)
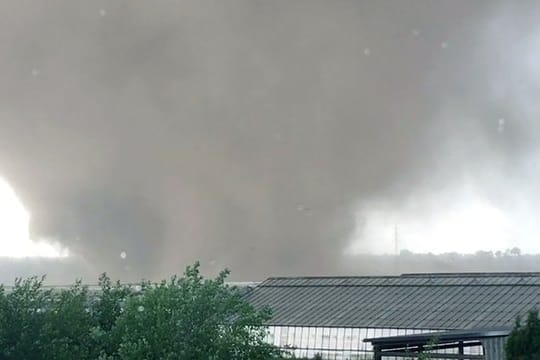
524, 340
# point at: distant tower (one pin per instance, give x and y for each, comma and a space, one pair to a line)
396, 250
396, 240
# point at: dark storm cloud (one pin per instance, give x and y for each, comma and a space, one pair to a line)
241, 133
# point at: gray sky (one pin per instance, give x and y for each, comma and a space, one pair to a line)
270, 137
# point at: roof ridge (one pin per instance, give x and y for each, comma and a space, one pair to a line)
411, 275
335, 277
474, 274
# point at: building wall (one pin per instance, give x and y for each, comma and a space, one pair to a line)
335, 343
331, 342
494, 348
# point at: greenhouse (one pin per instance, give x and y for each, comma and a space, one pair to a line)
332, 316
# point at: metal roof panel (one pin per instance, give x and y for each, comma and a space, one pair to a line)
424, 301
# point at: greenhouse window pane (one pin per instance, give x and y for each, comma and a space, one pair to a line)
326, 338
284, 336
340, 338
312, 340
347, 339
292, 336
333, 338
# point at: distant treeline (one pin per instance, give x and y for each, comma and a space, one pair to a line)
64, 271
407, 261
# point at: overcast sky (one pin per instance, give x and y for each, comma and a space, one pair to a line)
271, 137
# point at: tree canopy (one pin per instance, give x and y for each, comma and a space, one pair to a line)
186, 317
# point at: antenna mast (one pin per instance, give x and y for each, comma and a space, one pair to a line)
396, 240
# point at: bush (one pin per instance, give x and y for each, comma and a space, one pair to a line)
186, 317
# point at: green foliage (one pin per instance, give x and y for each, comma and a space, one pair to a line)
186, 317
191, 318
426, 355
34, 321
524, 340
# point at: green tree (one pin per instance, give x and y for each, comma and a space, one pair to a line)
524, 340
106, 307
187, 317
42, 324
191, 318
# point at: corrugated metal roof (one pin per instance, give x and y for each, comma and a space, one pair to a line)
422, 301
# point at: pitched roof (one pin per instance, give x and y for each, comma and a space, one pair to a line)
419, 301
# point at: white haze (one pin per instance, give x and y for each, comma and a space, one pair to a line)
15, 238
482, 193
